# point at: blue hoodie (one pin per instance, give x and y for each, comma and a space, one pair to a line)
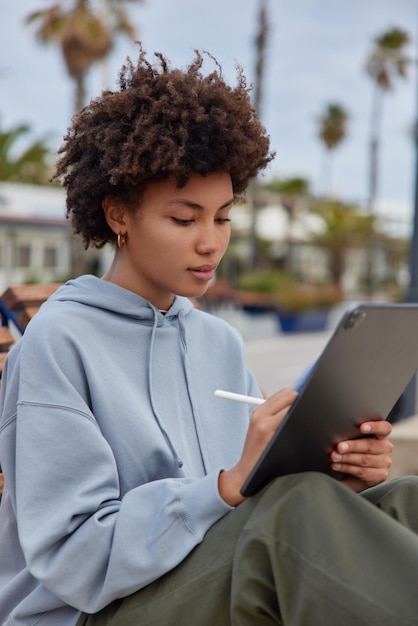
111, 442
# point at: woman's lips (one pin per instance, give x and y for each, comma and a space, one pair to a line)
204, 272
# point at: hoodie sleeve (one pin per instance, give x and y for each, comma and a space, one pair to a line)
81, 540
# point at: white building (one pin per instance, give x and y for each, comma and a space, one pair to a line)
35, 236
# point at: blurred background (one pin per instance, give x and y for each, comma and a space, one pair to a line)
335, 84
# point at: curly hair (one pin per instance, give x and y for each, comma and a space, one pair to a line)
162, 122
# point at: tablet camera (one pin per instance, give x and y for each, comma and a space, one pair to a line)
354, 319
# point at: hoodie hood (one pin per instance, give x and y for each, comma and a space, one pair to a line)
102, 294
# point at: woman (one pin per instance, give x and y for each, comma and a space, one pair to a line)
123, 470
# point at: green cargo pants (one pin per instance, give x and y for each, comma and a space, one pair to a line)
304, 551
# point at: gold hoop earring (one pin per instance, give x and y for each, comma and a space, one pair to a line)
121, 240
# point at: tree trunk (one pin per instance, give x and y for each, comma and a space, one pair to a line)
375, 127
80, 92
337, 267
260, 43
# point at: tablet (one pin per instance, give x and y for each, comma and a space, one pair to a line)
363, 370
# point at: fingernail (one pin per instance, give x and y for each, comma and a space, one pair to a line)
366, 428
343, 447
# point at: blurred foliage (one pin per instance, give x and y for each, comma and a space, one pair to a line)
296, 186
286, 292
345, 224
387, 60
85, 36
333, 125
304, 297
31, 164
345, 228
264, 281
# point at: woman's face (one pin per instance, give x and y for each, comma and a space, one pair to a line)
174, 240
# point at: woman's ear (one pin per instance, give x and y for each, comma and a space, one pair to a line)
114, 213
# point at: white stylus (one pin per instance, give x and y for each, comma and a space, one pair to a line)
238, 397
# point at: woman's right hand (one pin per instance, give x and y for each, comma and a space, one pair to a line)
264, 422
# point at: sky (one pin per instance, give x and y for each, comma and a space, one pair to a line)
315, 55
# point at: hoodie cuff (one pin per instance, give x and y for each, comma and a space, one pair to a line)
203, 506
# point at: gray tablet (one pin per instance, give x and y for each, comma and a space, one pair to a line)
362, 372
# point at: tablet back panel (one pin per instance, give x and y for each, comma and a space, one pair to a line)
360, 375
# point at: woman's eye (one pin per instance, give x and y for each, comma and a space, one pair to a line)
182, 222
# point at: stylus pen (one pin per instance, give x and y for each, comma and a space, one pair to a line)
238, 397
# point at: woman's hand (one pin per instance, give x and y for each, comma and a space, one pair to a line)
366, 461
264, 421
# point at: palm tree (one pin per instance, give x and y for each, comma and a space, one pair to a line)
292, 192
346, 228
84, 37
386, 63
32, 165
332, 131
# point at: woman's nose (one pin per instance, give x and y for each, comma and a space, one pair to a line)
209, 241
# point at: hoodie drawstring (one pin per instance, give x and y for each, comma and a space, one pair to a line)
190, 389
178, 460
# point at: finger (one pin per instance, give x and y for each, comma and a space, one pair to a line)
340, 463
267, 417
280, 400
378, 428
365, 446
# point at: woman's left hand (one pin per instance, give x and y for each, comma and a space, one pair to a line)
366, 461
